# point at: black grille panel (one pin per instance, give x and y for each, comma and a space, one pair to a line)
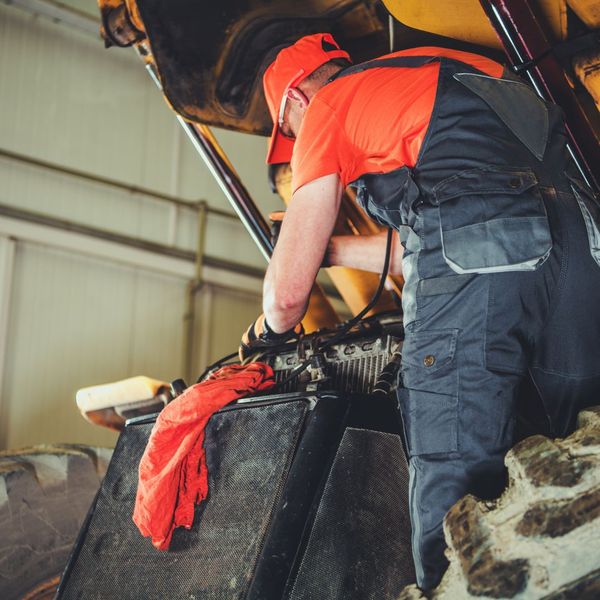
248, 453
358, 547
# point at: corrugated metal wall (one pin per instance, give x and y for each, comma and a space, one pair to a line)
77, 311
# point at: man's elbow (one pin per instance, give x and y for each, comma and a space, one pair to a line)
283, 302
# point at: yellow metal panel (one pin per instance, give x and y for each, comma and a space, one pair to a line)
320, 313
465, 20
588, 11
587, 69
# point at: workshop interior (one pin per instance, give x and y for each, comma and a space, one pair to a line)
136, 226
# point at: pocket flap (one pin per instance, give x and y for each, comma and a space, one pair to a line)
386, 197
499, 245
486, 180
429, 350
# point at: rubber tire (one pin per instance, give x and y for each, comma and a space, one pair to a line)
45, 493
540, 539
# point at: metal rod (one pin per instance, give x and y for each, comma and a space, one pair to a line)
204, 343
127, 187
232, 187
201, 247
226, 177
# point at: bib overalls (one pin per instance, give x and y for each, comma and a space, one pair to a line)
502, 279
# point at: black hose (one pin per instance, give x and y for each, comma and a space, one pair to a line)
216, 364
297, 370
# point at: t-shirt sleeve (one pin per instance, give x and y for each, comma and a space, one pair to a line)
319, 146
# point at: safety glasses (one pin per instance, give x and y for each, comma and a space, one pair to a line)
280, 122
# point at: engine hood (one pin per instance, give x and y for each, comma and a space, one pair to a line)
210, 56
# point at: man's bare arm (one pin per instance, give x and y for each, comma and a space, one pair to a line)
366, 252
305, 233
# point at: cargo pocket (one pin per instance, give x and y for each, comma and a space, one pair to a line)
493, 220
387, 197
591, 214
429, 402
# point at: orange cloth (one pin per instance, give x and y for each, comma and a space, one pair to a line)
374, 121
172, 475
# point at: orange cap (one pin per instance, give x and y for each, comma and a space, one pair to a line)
292, 65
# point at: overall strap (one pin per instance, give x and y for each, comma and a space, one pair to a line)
396, 61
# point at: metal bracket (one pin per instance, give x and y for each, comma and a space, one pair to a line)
563, 50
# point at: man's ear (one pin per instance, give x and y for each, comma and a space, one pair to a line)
297, 96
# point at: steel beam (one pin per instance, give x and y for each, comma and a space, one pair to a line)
115, 183
80, 239
60, 13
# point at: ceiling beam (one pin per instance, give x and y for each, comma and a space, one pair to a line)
60, 13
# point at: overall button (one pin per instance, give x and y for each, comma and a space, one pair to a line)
514, 183
429, 360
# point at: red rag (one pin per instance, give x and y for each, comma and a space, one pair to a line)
172, 475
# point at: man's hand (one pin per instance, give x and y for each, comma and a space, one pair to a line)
260, 335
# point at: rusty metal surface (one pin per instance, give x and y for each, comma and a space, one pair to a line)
588, 11
121, 25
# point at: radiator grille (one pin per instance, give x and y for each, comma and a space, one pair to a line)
358, 546
349, 367
248, 452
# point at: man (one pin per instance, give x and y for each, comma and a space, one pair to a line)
500, 242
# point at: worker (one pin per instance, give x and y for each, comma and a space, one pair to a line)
500, 249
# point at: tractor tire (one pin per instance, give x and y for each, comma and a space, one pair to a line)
45, 494
541, 538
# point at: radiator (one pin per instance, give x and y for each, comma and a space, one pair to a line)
352, 365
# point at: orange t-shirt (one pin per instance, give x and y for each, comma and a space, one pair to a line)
374, 121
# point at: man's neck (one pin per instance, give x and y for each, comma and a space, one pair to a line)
310, 88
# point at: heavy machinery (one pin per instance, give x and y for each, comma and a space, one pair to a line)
208, 61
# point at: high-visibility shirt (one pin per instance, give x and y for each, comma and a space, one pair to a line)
374, 121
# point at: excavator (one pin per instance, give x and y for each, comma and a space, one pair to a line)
327, 517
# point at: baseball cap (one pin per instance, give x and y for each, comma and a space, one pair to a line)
292, 65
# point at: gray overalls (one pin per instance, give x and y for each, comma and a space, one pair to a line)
502, 271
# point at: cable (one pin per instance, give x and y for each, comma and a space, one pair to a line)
352, 322
297, 370
216, 364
